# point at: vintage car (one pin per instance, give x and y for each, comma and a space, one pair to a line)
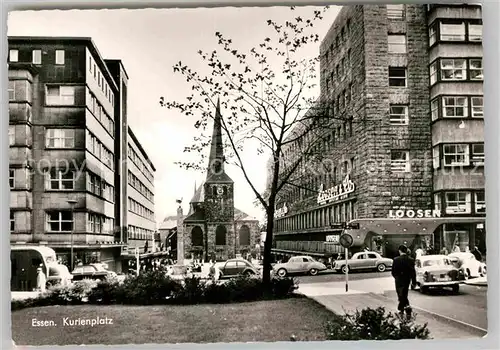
364, 261
92, 271
299, 264
437, 271
235, 267
465, 261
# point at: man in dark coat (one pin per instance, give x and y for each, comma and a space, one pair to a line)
403, 271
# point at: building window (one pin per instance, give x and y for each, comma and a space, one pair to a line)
398, 115
452, 32
400, 161
220, 235
432, 35
396, 43
13, 55
475, 32
396, 11
60, 221
12, 135
458, 203
435, 109
397, 76
437, 201
433, 73
478, 154
455, 107
60, 180
59, 56
477, 107
37, 57
435, 157
12, 221
476, 69
12, 178
453, 69
60, 95
480, 203
456, 155
60, 138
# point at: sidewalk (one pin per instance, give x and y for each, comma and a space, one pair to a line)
333, 296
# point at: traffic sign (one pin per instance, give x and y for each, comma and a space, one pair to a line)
346, 240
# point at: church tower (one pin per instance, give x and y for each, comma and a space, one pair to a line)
219, 199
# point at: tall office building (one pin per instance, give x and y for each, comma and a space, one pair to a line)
403, 86
68, 138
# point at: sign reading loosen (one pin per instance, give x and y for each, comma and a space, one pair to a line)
336, 192
419, 213
281, 212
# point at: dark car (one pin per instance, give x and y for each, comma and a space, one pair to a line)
235, 267
92, 271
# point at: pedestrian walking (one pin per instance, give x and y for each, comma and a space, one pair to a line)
403, 271
419, 252
212, 271
477, 254
41, 280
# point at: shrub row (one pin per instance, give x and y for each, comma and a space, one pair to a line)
154, 288
374, 324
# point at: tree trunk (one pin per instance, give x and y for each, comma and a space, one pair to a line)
268, 244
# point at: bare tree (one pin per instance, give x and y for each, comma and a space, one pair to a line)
267, 97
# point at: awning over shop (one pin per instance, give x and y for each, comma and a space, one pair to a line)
414, 226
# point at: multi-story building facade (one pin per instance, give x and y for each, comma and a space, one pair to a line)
392, 132
66, 145
141, 218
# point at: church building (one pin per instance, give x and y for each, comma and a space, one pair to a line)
213, 227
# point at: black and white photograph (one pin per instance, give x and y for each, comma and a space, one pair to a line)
247, 174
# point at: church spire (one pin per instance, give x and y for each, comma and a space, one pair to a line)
216, 158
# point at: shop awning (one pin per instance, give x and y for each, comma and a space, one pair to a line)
420, 226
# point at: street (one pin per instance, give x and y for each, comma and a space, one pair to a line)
468, 307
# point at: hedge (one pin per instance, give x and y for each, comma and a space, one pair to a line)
156, 288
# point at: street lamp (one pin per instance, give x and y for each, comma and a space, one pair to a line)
72, 203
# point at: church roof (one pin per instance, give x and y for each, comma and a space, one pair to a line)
240, 215
216, 159
199, 194
169, 222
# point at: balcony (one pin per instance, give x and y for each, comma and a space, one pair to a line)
314, 247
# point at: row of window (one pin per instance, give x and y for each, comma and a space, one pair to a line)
323, 217
460, 202
456, 69
457, 107
63, 221
36, 56
459, 154
340, 39
140, 187
459, 31
139, 209
100, 113
100, 151
101, 82
340, 71
135, 232
99, 187
98, 223
132, 154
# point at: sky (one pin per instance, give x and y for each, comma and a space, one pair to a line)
149, 42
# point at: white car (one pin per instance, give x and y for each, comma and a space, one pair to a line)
299, 264
437, 271
364, 261
467, 262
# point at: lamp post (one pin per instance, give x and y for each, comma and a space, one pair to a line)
72, 203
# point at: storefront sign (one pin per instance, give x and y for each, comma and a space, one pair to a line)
336, 192
281, 212
332, 239
419, 213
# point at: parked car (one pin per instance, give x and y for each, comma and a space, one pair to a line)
471, 268
235, 267
92, 271
364, 261
299, 264
437, 271
59, 275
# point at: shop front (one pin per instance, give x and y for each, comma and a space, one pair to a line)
428, 231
